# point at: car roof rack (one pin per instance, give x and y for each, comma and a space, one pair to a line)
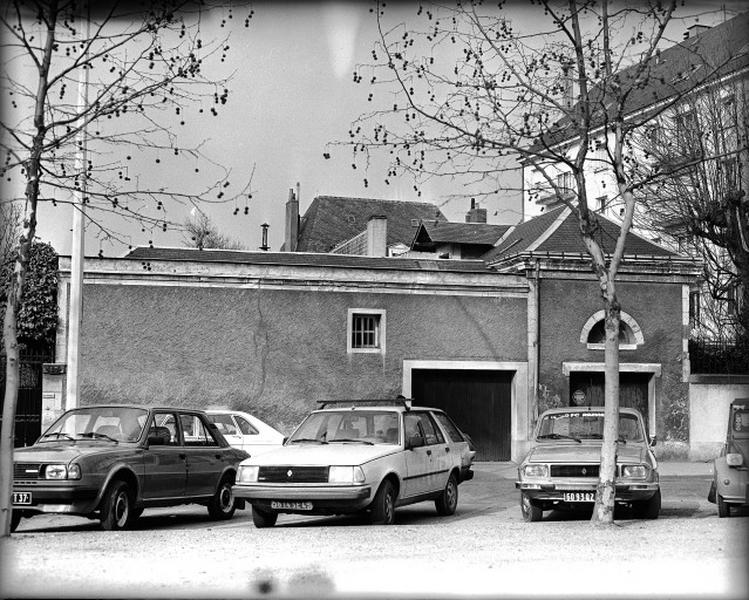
404, 402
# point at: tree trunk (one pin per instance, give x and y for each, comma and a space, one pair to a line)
603, 512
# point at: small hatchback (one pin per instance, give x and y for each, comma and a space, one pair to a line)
730, 485
561, 469
359, 456
111, 462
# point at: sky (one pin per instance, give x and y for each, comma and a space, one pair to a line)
291, 94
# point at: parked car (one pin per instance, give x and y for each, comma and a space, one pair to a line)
359, 456
730, 485
562, 466
246, 432
112, 462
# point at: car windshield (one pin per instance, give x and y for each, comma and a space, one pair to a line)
356, 426
108, 423
580, 425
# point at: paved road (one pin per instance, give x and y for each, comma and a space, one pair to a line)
484, 549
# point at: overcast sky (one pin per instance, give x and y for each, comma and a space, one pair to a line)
292, 93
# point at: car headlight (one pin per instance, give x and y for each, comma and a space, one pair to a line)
734, 459
247, 474
536, 470
62, 472
350, 475
635, 471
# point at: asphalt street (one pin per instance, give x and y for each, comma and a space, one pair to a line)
485, 549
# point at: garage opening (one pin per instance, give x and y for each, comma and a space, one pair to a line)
480, 403
587, 389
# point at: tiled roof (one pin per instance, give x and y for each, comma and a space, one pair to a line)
332, 219
565, 238
715, 52
459, 233
146, 253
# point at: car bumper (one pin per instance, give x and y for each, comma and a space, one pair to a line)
735, 492
58, 499
555, 492
324, 499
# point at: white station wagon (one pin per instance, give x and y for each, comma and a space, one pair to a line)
359, 456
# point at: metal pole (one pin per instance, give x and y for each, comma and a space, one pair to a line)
77, 246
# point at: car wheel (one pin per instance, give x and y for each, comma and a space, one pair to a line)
711, 492
724, 509
15, 519
116, 507
651, 508
531, 511
263, 518
448, 499
383, 506
221, 506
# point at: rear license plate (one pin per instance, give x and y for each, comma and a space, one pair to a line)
579, 496
21, 497
291, 505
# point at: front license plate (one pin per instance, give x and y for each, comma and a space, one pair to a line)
579, 497
291, 505
21, 497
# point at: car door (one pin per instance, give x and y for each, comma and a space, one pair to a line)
251, 441
203, 453
440, 458
417, 457
165, 467
228, 427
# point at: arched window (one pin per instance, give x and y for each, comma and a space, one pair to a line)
593, 333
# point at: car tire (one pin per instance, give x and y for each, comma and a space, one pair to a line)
724, 509
116, 507
651, 508
15, 519
383, 506
711, 492
263, 518
447, 502
531, 511
221, 506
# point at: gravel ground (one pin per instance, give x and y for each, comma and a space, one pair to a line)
485, 549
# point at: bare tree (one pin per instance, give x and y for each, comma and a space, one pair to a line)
201, 232
694, 194
137, 67
468, 94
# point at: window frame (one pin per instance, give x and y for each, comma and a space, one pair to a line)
380, 333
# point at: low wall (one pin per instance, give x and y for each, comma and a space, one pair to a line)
709, 399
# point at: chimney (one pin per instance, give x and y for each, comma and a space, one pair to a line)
377, 233
264, 247
476, 214
694, 30
291, 232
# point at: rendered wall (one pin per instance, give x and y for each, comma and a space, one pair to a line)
709, 399
275, 352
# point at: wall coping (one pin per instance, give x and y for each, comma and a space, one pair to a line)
719, 378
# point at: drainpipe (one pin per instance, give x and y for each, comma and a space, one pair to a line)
533, 345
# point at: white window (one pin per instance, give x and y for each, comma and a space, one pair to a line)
366, 330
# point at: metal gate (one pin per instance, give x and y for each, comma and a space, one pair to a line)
29, 406
480, 403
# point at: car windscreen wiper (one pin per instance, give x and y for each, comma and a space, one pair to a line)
558, 436
352, 440
96, 434
315, 440
58, 434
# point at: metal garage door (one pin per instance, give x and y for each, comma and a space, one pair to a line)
478, 401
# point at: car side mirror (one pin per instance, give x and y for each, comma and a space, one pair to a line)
653, 440
414, 441
155, 440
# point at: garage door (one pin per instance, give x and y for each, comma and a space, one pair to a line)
633, 390
478, 401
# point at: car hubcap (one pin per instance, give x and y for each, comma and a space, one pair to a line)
225, 498
451, 495
389, 507
121, 509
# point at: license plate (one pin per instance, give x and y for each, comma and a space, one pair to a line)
291, 505
21, 497
579, 496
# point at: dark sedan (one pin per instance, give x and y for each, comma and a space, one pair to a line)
112, 462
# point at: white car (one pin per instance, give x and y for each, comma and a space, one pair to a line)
246, 432
359, 457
